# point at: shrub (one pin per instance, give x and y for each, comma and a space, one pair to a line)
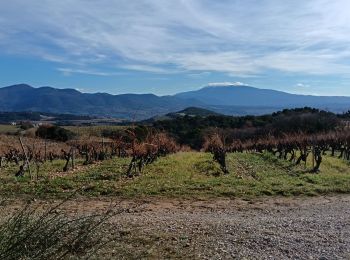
33, 234
54, 132
25, 125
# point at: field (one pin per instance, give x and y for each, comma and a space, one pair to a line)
4, 129
183, 207
139, 192
92, 130
183, 175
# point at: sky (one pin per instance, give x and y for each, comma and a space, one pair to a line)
170, 46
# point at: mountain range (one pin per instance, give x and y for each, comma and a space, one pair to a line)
230, 100
127, 106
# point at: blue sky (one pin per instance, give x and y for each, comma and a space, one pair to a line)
170, 46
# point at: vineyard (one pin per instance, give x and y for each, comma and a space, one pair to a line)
144, 160
301, 151
28, 152
139, 192
295, 148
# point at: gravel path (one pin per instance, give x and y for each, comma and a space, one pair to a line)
273, 228
313, 228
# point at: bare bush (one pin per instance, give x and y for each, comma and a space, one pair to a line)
215, 144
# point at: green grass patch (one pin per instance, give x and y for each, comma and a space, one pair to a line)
5, 129
190, 174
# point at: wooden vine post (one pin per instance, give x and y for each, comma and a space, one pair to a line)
26, 166
72, 157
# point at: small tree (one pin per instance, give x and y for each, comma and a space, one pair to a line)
54, 132
25, 125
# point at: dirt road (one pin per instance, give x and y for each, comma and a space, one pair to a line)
272, 228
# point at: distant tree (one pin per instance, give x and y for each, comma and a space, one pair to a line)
192, 130
25, 125
54, 132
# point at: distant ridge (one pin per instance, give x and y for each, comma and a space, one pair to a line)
229, 100
240, 95
195, 111
190, 111
23, 97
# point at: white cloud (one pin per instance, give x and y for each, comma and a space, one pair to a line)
302, 85
69, 71
226, 84
199, 74
147, 68
240, 38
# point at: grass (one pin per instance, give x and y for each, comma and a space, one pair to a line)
5, 129
92, 130
35, 233
190, 174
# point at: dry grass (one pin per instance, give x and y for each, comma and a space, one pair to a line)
36, 233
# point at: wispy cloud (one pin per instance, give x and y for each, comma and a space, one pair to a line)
146, 68
240, 38
226, 84
69, 71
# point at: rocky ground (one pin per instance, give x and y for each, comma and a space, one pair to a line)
270, 228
